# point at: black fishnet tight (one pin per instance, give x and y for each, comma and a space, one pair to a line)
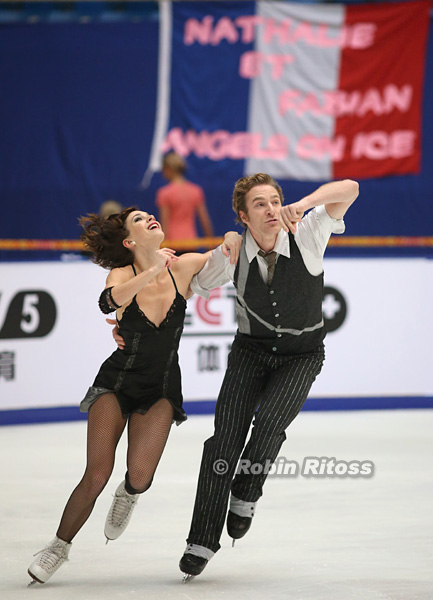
147, 436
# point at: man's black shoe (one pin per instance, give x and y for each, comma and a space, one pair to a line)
237, 526
192, 564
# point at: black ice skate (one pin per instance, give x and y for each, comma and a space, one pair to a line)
192, 565
237, 526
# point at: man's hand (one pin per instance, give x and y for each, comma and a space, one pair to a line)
290, 216
232, 246
115, 333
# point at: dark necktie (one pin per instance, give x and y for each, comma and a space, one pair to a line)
270, 258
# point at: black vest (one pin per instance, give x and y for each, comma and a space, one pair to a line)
292, 302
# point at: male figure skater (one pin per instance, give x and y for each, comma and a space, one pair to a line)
277, 352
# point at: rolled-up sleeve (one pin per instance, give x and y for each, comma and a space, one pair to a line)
336, 225
215, 273
312, 237
316, 228
326, 224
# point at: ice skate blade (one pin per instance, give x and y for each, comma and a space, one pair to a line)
34, 580
187, 578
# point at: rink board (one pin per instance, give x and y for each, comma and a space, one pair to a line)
53, 338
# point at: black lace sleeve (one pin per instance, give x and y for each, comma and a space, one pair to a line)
106, 302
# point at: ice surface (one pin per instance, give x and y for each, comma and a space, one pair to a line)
311, 539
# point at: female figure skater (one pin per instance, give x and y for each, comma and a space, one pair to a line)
140, 385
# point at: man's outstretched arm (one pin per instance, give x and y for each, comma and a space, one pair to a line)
336, 196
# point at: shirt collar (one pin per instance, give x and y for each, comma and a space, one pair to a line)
282, 245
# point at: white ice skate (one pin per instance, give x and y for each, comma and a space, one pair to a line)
120, 513
51, 558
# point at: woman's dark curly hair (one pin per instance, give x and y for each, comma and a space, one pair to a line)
104, 238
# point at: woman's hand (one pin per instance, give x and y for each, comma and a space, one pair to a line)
165, 257
115, 333
232, 246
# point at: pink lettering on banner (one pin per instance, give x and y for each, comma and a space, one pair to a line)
340, 103
288, 100
304, 33
313, 147
241, 146
250, 64
248, 24
378, 108
358, 36
278, 30
299, 103
401, 99
378, 54
361, 36
198, 144
224, 30
278, 62
219, 142
186, 143
176, 141
218, 145
277, 147
323, 40
253, 63
205, 33
286, 32
195, 31
371, 102
379, 145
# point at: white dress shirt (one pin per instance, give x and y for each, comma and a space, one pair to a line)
312, 236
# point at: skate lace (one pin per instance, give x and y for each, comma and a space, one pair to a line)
121, 508
50, 556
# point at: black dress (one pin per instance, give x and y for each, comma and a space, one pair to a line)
147, 369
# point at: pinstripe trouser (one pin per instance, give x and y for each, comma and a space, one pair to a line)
274, 389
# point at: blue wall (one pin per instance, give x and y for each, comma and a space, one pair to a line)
77, 116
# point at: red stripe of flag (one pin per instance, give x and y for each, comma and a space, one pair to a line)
383, 134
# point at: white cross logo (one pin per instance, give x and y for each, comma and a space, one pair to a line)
330, 306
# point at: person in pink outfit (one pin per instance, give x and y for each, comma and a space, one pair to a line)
180, 201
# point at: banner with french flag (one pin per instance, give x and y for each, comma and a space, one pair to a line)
307, 92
